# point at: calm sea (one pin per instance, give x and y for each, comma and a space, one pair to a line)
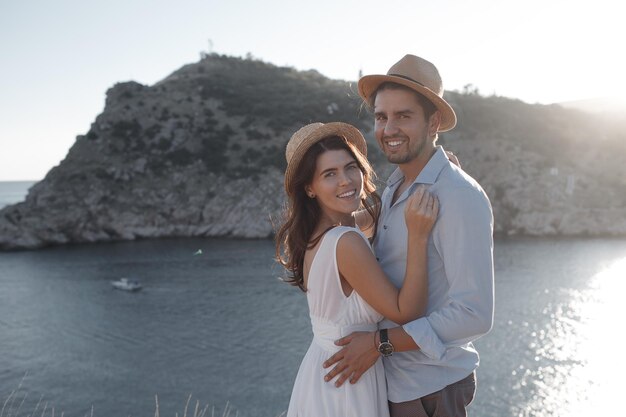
220, 327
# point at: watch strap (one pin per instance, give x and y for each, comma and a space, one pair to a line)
384, 336
385, 347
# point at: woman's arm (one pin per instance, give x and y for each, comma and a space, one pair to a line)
359, 267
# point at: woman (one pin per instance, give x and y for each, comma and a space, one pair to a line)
331, 203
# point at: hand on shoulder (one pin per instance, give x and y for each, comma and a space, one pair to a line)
420, 212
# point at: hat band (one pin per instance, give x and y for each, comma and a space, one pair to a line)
407, 78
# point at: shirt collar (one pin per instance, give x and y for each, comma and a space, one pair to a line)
429, 173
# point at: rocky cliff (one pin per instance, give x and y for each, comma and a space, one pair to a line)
201, 154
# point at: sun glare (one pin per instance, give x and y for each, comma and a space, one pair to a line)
600, 343
583, 370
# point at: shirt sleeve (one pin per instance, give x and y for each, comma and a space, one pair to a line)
463, 238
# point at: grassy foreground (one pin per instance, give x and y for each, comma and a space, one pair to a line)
14, 403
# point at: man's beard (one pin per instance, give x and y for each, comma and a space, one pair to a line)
410, 155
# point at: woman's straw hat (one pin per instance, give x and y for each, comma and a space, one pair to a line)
418, 74
309, 135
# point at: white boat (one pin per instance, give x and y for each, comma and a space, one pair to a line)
126, 284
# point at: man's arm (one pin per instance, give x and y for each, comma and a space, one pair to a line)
464, 240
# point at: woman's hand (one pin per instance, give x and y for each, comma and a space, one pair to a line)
420, 212
452, 157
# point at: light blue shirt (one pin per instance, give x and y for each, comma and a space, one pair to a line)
460, 278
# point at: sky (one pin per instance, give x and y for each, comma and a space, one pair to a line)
58, 58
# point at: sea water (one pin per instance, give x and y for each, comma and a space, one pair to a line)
214, 324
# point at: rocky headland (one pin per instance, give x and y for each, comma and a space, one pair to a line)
201, 153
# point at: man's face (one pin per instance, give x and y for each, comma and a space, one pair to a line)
401, 129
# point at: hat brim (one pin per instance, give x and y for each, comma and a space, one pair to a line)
369, 83
344, 130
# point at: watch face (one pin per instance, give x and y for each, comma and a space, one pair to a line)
385, 348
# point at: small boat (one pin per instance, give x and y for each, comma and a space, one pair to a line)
126, 284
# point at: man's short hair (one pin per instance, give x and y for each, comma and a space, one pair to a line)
427, 105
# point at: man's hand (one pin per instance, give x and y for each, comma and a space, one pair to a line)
358, 354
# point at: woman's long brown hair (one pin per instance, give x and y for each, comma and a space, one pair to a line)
301, 213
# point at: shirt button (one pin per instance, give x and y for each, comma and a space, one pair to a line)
385, 226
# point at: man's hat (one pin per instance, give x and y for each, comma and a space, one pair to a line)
419, 75
309, 135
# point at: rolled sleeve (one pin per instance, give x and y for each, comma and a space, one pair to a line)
425, 337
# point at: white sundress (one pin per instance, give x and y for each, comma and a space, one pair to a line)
333, 315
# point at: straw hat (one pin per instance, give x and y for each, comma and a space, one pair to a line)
309, 135
419, 75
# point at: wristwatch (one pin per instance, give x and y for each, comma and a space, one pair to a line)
385, 347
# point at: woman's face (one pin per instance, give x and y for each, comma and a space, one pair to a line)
337, 184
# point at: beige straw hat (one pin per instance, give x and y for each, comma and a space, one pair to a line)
309, 135
418, 74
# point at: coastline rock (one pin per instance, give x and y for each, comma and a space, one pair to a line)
201, 153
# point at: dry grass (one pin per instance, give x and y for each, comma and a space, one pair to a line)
12, 407
198, 411
42, 409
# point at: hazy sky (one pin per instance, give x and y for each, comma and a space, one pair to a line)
59, 57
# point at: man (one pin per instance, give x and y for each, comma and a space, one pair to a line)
430, 362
